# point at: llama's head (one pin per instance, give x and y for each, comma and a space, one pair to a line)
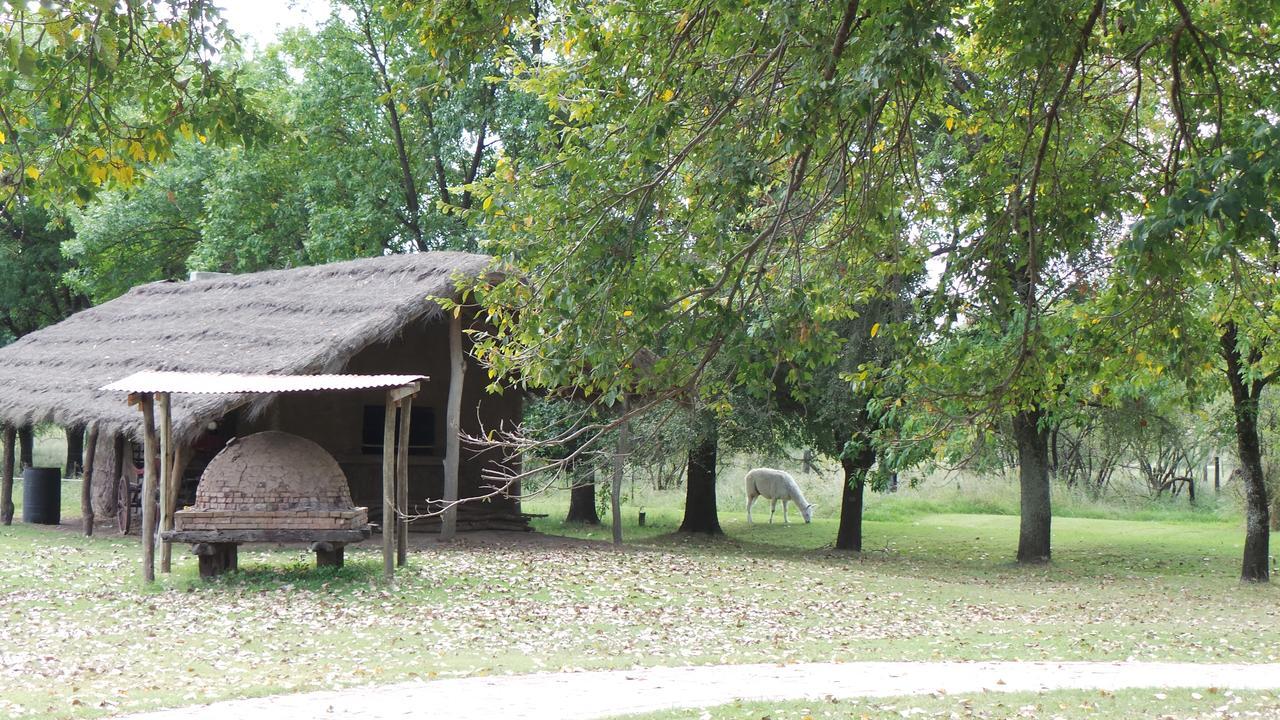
806, 512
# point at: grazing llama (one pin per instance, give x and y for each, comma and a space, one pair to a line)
776, 485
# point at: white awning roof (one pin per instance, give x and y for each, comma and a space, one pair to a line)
234, 383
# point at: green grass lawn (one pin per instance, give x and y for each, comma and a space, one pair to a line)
85, 637
1060, 705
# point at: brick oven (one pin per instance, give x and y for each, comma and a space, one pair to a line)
270, 487
272, 480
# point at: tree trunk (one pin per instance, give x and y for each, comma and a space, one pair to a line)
700, 499
86, 482
1033, 477
849, 536
106, 474
1245, 404
453, 425
75, 451
582, 497
26, 447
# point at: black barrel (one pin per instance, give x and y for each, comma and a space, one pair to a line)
42, 495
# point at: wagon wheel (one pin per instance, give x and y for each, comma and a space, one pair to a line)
123, 505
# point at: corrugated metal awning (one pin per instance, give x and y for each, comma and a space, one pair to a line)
234, 383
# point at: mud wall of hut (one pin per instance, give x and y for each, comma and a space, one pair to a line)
337, 421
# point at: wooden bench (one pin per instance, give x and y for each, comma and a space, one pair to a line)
218, 549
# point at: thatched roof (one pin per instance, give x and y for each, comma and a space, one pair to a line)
299, 321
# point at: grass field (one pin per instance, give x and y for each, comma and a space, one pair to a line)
1062, 705
86, 637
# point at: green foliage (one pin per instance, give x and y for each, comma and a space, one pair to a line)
32, 291
1211, 247
683, 207
90, 91
143, 233
366, 145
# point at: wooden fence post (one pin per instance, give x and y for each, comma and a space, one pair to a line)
619, 466
166, 479
150, 472
389, 521
402, 483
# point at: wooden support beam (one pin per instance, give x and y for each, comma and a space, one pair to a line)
402, 482
149, 478
124, 464
6, 475
26, 447
216, 558
400, 393
389, 521
328, 554
457, 368
181, 457
166, 479
86, 482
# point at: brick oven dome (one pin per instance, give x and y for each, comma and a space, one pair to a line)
273, 471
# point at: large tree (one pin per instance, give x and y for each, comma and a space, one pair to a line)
1033, 170
1211, 248
707, 167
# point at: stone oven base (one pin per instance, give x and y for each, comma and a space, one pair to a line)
218, 520
218, 550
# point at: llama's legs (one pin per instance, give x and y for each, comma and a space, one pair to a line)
751, 499
773, 507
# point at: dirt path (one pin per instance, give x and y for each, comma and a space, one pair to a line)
589, 695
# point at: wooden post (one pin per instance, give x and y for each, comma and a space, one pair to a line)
166, 479
150, 471
124, 460
402, 483
389, 521
86, 480
1217, 474
457, 367
26, 447
619, 464
6, 475
181, 456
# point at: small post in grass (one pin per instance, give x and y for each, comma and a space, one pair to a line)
402, 483
389, 521
166, 479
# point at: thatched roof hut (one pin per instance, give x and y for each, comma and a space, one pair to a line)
297, 321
